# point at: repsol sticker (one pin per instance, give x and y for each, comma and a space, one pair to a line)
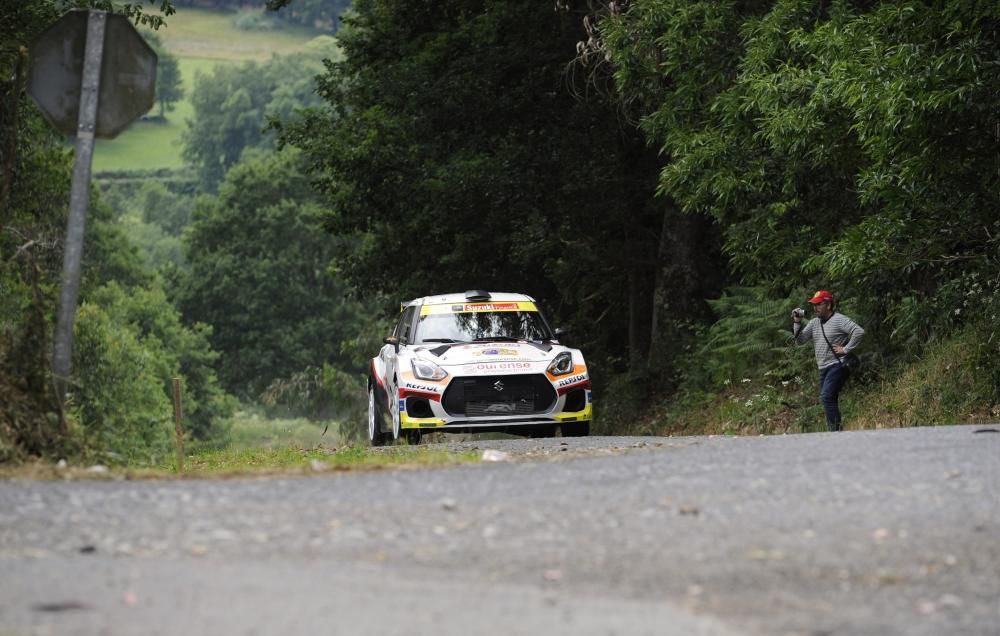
422, 387
573, 380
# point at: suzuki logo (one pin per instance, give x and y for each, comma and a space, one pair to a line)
498, 385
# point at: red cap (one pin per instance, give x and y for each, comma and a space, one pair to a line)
821, 296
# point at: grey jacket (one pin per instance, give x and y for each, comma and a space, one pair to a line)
839, 330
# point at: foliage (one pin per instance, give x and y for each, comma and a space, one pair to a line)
259, 274
118, 402
848, 142
153, 216
451, 148
19, 13
751, 333
324, 393
763, 147
119, 399
184, 352
233, 104
952, 385
32, 223
328, 392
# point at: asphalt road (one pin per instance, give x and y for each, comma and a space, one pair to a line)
879, 532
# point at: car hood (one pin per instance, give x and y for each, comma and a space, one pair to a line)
460, 354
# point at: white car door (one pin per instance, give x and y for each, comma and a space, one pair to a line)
390, 357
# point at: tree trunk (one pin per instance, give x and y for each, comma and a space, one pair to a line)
660, 292
685, 267
638, 260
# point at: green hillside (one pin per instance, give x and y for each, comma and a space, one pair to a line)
201, 39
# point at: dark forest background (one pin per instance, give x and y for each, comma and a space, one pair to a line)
669, 178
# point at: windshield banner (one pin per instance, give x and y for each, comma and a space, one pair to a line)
467, 308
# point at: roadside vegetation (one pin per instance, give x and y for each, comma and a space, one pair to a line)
669, 178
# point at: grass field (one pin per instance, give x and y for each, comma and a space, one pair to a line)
201, 39
249, 429
152, 144
202, 33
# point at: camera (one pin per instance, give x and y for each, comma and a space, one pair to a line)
798, 313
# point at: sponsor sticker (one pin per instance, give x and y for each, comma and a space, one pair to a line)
430, 388
575, 379
484, 368
507, 353
463, 308
490, 307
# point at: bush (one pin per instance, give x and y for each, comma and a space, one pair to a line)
183, 351
955, 381
119, 401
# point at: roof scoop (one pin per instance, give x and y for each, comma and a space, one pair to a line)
477, 294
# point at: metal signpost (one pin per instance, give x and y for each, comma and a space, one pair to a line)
92, 75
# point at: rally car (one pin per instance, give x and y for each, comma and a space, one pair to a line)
476, 362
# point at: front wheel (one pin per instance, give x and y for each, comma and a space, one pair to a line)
375, 435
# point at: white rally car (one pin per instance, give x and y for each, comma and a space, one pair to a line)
476, 362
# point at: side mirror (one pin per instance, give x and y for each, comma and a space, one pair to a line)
392, 340
560, 332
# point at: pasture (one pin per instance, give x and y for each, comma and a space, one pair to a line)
200, 39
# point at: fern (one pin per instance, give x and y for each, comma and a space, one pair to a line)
751, 334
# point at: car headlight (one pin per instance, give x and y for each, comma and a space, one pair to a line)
427, 370
562, 365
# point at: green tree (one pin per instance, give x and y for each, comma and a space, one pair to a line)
159, 205
259, 273
455, 149
846, 142
232, 106
181, 351
119, 394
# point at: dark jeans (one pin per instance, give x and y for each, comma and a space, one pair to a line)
831, 380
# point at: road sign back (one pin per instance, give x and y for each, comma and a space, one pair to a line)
128, 74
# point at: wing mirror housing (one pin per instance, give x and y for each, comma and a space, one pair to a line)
559, 332
392, 340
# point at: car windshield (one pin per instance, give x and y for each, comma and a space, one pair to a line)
482, 325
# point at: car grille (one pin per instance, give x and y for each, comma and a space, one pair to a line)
499, 396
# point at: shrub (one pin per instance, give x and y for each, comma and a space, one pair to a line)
956, 380
184, 352
119, 400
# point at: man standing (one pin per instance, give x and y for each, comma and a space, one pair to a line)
834, 335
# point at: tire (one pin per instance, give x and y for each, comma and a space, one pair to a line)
375, 435
576, 429
412, 436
